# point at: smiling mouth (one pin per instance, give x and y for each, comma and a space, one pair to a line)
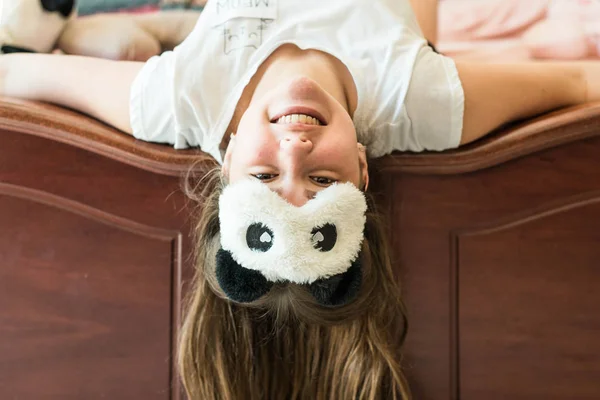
299, 115
298, 119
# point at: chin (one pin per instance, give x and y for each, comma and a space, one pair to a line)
304, 88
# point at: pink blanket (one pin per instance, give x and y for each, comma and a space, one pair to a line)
520, 29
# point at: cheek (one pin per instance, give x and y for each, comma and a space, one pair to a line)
252, 150
251, 140
340, 149
341, 154
263, 151
343, 140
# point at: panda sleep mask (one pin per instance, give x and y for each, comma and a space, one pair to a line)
265, 239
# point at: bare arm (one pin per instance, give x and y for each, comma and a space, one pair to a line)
426, 12
169, 27
127, 37
94, 86
496, 94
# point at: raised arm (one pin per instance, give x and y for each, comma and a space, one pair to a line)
93, 86
496, 94
426, 12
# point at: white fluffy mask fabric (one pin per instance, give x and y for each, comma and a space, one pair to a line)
263, 232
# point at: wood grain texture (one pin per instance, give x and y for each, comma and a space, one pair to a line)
94, 258
527, 293
499, 268
86, 307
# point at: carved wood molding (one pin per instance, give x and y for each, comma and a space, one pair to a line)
529, 215
547, 131
86, 211
75, 129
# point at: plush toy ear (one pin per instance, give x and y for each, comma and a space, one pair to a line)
6, 49
339, 289
64, 7
239, 284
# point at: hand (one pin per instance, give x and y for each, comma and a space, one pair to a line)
112, 37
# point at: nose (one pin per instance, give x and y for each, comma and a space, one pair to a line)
293, 194
294, 149
296, 145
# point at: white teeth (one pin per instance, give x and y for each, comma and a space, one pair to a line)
298, 118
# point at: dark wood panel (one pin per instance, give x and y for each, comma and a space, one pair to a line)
528, 305
91, 179
427, 210
85, 306
66, 210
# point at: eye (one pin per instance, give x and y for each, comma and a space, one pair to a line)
321, 180
324, 238
264, 177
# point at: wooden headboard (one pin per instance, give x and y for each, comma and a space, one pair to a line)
497, 246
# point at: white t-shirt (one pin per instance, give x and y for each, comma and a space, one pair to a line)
409, 97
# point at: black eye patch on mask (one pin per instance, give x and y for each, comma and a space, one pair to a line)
238, 283
245, 285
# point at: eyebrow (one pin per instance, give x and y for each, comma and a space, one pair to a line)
309, 194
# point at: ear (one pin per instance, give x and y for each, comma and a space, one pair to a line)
340, 289
227, 158
364, 165
238, 283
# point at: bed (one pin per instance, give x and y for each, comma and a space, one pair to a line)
496, 244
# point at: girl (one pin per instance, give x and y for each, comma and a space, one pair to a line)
288, 93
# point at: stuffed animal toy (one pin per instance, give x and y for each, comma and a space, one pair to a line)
545, 29
33, 25
45, 26
570, 31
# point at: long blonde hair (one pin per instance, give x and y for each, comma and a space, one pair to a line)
285, 345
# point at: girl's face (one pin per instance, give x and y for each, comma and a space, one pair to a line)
280, 142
